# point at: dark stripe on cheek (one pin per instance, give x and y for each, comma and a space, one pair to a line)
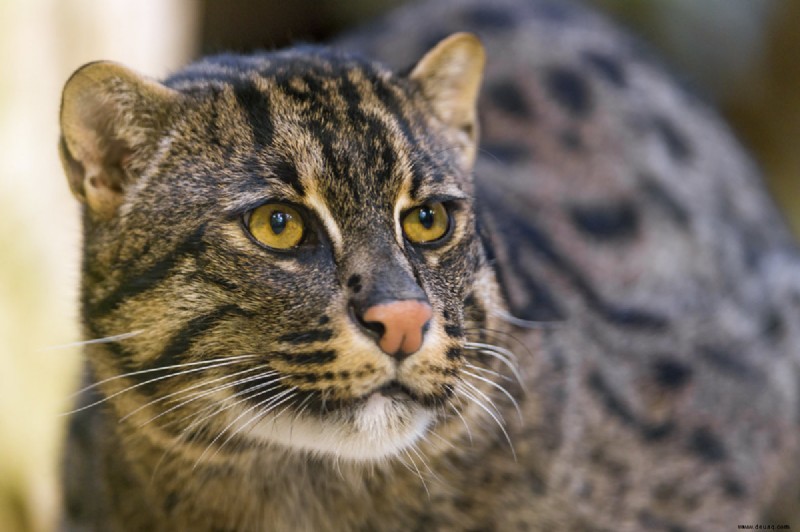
154, 275
310, 357
307, 337
181, 342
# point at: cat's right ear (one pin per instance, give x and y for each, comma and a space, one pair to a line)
111, 118
449, 77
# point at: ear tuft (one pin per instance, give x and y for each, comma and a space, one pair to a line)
109, 114
449, 76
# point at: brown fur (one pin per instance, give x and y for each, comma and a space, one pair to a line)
659, 394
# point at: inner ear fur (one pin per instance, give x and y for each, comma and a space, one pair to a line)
449, 77
110, 117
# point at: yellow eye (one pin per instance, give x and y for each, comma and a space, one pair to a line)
426, 223
276, 225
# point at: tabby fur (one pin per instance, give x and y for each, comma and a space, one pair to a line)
614, 341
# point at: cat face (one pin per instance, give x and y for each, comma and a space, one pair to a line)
289, 238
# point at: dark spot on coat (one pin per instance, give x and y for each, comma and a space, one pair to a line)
354, 283
733, 488
676, 142
571, 140
453, 353
610, 221
310, 378
652, 433
607, 66
554, 11
487, 17
631, 317
612, 403
656, 193
652, 522
170, 501
729, 362
570, 90
773, 326
706, 445
506, 152
671, 374
453, 331
506, 96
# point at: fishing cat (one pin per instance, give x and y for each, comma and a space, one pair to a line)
307, 314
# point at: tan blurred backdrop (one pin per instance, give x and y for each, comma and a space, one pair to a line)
744, 54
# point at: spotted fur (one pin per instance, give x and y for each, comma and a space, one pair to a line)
616, 313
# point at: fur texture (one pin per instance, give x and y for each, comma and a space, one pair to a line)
615, 307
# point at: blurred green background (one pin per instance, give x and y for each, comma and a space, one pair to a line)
742, 54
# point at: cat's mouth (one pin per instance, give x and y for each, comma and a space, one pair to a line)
374, 426
394, 390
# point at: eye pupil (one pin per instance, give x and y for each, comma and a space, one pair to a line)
426, 217
278, 222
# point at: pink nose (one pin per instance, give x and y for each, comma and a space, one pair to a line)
403, 325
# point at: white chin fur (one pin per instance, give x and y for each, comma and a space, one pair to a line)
377, 429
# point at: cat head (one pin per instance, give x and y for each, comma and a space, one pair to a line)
286, 240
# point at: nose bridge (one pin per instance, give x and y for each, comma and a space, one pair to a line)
379, 273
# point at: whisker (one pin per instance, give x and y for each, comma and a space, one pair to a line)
501, 334
298, 413
442, 439
495, 385
240, 398
105, 340
416, 470
489, 371
227, 362
496, 348
502, 358
215, 409
526, 324
483, 407
488, 400
232, 423
267, 409
205, 393
418, 454
466, 426
160, 368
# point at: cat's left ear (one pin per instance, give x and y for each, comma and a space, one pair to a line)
111, 121
449, 76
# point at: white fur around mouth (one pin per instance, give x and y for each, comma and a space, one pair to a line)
378, 428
